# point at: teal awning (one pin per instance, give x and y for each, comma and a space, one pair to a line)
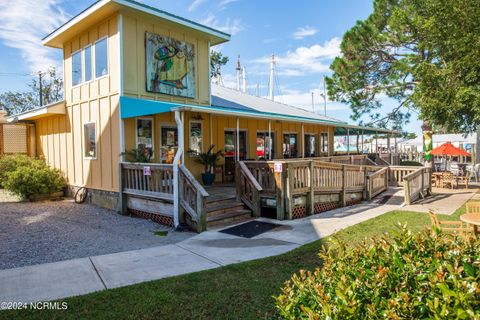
134, 107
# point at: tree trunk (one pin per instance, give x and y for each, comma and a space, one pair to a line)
427, 143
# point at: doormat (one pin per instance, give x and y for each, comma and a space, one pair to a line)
250, 229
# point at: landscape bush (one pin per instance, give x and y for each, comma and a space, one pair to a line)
27, 176
404, 276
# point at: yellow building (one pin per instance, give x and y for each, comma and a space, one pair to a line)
137, 77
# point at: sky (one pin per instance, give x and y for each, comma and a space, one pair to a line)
304, 36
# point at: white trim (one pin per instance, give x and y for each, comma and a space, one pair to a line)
176, 160
84, 81
153, 132
96, 141
120, 78
95, 59
162, 15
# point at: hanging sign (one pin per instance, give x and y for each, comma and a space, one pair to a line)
277, 167
147, 171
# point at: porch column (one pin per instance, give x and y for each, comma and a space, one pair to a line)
269, 139
376, 142
182, 117
362, 142
211, 130
388, 142
176, 160
237, 147
303, 141
348, 141
395, 142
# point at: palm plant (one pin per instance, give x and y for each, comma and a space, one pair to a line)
208, 159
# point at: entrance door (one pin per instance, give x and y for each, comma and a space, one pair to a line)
290, 145
230, 151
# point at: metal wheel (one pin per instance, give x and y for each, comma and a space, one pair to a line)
81, 195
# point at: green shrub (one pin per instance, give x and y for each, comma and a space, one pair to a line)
411, 163
27, 176
407, 276
9, 163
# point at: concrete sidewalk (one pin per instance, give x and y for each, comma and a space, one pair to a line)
207, 250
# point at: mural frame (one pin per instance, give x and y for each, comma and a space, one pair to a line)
170, 66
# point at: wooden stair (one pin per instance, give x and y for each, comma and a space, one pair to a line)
226, 211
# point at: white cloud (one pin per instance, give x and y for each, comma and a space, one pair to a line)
195, 4
230, 26
24, 23
224, 3
303, 32
305, 60
303, 99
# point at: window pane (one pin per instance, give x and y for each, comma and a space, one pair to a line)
145, 134
101, 58
196, 136
289, 145
76, 68
310, 145
88, 63
90, 140
263, 143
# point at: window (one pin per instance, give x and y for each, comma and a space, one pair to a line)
196, 137
310, 145
168, 143
76, 68
87, 58
324, 142
101, 58
290, 145
264, 145
89, 136
145, 134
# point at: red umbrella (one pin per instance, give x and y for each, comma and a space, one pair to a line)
448, 149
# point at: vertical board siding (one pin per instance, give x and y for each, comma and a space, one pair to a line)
60, 138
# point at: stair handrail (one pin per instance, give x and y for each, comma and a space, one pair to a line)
370, 177
248, 188
192, 197
415, 186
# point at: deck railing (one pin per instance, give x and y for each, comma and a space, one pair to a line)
377, 182
397, 173
148, 179
192, 197
248, 188
417, 184
306, 185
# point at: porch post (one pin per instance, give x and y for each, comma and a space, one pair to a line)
176, 160
303, 141
182, 117
237, 148
376, 142
269, 139
362, 142
348, 141
211, 130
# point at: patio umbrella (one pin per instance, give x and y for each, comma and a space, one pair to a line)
448, 149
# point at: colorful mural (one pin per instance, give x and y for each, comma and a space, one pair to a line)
170, 67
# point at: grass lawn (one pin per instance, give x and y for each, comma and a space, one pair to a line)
240, 291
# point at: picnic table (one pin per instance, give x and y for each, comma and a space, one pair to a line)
472, 219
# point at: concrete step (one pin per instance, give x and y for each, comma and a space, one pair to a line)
228, 218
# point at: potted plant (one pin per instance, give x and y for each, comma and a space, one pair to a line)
142, 154
209, 161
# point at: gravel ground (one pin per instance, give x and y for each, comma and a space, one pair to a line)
40, 232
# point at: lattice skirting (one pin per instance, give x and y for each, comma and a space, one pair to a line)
299, 212
158, 218
325, 206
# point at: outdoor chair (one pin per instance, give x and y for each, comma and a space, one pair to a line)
450, 227
448, 179
473, 207
462, 180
